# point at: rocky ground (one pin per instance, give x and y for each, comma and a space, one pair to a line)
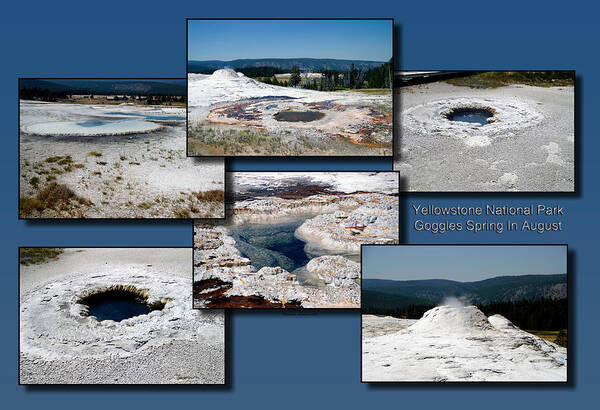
455, 343
231, 114
115, 174
61, 344
337, 223
528, 144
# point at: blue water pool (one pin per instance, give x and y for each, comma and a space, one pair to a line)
471, 115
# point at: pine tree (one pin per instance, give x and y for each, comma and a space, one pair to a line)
295, 77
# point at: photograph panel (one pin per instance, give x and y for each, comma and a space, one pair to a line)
111, 148
292, 239
115, 316
464, 313
290, 87
486, 131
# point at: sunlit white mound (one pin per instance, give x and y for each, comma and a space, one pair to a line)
227, 85
452, 319
456, 343
93, 128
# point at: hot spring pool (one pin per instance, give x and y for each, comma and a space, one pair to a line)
91, 128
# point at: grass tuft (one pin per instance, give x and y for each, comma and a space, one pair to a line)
213, 195
31, 256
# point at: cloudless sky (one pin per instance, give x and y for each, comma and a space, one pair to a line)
340, 39
460, 263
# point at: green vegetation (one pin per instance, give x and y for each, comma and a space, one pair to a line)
145, 205
33, 256
61, 160
295, 76
374, 91
253, 72
495, 79
94, 154
538, 314
330, 80
555, 336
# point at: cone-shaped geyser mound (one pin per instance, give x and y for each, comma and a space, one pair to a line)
458, 343
452, 318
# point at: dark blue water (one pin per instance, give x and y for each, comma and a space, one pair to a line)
117, 309
471, 115
92, 123
271, 244
151, 117
298, 116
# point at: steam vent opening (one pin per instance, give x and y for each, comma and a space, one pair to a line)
119, 303
472, 115
298, 116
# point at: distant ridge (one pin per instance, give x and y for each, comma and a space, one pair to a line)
311, 64
109, 86
434, 291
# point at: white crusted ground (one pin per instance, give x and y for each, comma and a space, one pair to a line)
91, 129
348, 182
452, 343
60, 345
124, 176
336, 224
528, 146
339, 132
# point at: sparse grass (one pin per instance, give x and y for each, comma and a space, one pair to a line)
205, 139
145, 205
78, 165
213, 195
94, 154
53, 159
495, 79
101, 163
123, 158
32, 256
34, 182
555, 336
134, 163
67, 160
374, 91
182, 213
53, 196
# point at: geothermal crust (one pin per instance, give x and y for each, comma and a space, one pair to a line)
121, 175
527, 145
341, 224
451, 343
230, 98
60, 343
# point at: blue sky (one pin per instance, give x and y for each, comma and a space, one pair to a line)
341, 39
460, 263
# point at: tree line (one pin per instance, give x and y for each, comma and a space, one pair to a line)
329, 80
40, 94
538, 314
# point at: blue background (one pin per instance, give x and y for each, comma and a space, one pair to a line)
280, 359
